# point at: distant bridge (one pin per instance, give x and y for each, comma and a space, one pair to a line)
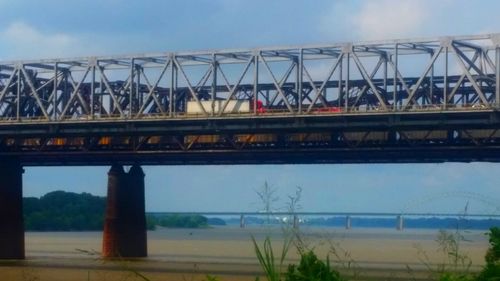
295, 221
332, 214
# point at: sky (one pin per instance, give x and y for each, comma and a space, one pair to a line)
56, 28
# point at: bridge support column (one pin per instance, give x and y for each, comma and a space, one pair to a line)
296, 222
125, 222
11, 210
242, 221
348, 223
400, 223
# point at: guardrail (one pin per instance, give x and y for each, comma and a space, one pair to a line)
267, 113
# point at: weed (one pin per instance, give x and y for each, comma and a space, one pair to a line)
344, 259
311, 268
272, 268
268, 197
211, 278
449, 245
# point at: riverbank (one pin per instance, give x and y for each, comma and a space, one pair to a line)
190, 254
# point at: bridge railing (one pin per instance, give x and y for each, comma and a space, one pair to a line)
427, 108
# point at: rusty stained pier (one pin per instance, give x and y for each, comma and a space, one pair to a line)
125, 219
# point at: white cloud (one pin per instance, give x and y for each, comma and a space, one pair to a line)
390, 18
20, 40
378, 19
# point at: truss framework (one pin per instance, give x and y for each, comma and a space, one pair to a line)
423, 100
437, 74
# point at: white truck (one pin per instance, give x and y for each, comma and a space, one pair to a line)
233, 106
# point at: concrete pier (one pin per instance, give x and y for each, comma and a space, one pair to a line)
296, 222
400, 222
242, 221
11, 210
125, 222
348, 222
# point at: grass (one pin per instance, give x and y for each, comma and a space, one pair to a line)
272, 267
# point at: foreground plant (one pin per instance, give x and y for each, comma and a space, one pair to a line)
272, 268
491, 271
457, 260
456, 264
343, 259
451, 276
311, 268
211, 278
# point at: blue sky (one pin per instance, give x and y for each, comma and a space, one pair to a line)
57, 28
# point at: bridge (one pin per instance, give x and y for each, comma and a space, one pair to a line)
400, 101
293, 219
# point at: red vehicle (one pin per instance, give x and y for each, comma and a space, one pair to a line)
260, 106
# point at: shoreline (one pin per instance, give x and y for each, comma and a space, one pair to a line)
229, 253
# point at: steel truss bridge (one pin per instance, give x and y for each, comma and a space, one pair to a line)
420, 100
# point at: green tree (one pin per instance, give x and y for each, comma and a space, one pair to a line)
64, 211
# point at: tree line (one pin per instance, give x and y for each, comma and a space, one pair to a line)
69, 211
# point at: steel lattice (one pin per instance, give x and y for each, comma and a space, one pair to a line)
393, 94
